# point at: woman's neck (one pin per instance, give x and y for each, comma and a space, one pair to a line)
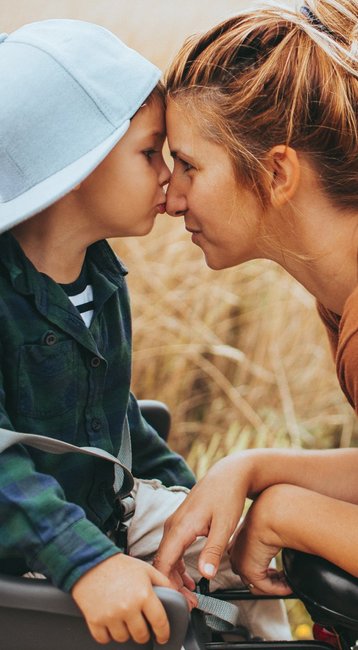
319, 248
329, 279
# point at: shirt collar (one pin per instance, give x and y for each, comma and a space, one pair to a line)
103, 257
26, 279
106, 275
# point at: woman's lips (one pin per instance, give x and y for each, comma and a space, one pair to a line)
194, 234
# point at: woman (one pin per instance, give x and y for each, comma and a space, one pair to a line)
262, 126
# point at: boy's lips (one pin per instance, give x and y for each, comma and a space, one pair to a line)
161, 207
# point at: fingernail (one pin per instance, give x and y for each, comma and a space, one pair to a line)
209, 569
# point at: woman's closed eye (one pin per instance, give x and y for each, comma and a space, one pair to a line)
185, 165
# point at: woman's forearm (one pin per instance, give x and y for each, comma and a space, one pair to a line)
214, 506
307, 521
330, 472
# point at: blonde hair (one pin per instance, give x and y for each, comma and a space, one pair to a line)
157, 93
271, 76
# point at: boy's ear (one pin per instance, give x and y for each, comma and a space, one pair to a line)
285, 172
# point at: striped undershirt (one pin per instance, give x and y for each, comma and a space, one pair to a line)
80, 293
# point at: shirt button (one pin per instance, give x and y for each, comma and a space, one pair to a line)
96, 424
95, 362
49, 338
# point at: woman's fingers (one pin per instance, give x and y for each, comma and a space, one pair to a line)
188, 581
179, 577
210, 556
273, 582
183, 582
252, 551
175, 541
212, 509
190, 597
186, 578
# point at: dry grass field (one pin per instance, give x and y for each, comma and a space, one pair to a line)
239, 355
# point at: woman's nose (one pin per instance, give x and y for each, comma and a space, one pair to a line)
176, 202
165, 175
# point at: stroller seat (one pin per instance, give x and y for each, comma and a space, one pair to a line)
329, 594
35, 615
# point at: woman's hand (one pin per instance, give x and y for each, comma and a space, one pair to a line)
184, 583
118, 602
253, 547
297, 497
212, 509
294, 517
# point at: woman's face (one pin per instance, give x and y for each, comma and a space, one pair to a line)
224, 218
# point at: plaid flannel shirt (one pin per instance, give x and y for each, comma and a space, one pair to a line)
59, 378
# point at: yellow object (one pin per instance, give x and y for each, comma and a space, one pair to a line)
303, 631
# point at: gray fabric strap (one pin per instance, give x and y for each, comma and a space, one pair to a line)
124, 457
219, 614
53, 446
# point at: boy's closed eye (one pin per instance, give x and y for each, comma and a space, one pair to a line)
154, 147
149, 153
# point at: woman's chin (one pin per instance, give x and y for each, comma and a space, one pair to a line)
214, 257
218, 264
214, 264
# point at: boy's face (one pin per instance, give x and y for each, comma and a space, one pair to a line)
127, 190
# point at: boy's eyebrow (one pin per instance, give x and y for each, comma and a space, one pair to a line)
157, 134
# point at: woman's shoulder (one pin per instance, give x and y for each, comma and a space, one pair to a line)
348, 329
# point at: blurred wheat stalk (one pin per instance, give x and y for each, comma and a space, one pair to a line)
240, 356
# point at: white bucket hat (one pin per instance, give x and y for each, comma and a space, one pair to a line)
68, 91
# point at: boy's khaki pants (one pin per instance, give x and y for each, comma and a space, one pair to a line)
154, 504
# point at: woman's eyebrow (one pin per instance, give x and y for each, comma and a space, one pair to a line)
180, 154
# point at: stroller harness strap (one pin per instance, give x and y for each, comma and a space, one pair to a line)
124, 481
220, 615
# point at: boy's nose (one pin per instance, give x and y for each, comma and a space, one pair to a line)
176, 203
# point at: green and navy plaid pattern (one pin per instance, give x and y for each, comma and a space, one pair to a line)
59, 378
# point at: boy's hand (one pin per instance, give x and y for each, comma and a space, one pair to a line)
117, 600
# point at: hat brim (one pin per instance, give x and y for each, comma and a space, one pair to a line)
58, 185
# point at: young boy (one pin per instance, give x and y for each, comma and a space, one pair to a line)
81, 135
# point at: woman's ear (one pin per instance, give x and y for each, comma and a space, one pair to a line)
285, 171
